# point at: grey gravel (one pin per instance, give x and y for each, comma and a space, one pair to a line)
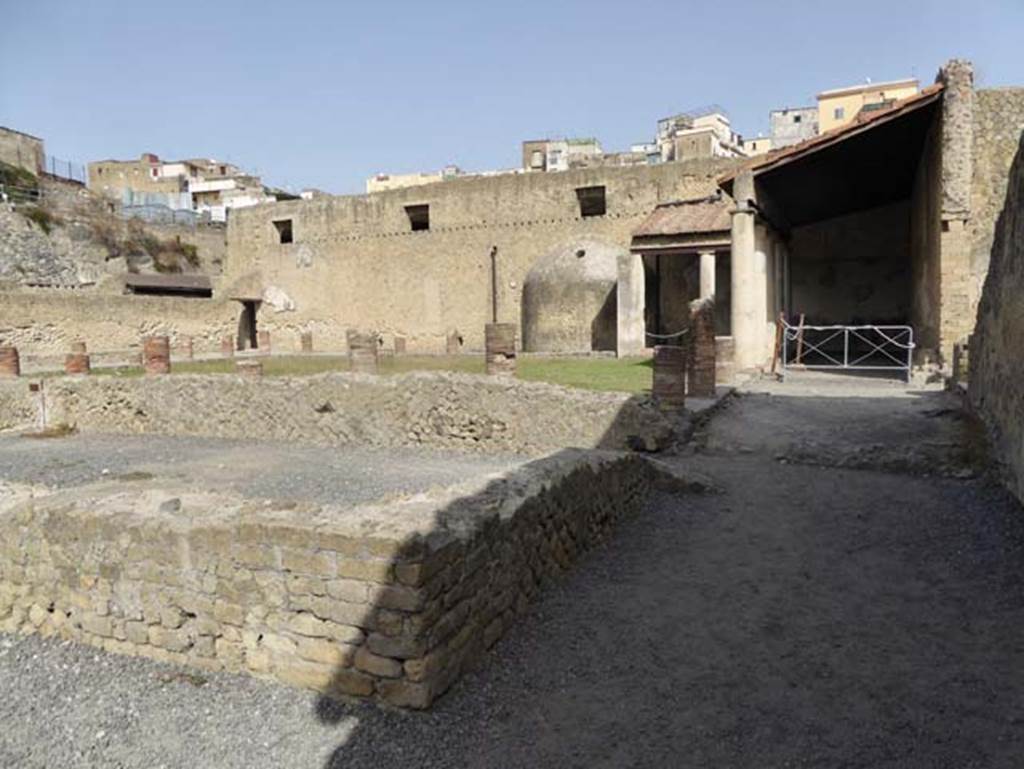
255, 469
805, 617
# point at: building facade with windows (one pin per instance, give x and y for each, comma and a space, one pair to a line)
792, 125
840, 106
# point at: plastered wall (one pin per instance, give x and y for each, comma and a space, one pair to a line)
355, 262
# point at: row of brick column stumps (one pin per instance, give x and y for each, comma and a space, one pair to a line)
687, 369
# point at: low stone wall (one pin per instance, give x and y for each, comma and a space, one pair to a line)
392, 601
996, 373
45, 321
457, 411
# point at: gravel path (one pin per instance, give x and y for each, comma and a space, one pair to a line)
805, 617
261, 470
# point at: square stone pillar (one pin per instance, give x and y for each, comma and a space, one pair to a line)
630, 332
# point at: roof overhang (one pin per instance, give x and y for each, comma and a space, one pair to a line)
869, 163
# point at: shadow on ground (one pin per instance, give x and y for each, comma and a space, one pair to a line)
808, 616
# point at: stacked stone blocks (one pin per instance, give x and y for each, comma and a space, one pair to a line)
314, 602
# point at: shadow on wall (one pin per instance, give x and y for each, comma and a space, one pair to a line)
996, 366
454, 590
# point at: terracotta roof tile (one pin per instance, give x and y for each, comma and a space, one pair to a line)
687, 216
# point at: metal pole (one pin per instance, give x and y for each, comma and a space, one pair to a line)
494, 284
846, 348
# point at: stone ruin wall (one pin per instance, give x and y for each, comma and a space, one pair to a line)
43, 322
998, 124
343, 603
21, 150
441, 410
996, 369
355, 263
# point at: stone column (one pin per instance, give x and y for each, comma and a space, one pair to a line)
306, 341
958, 293
10, 362
669, 386
249, 368
500, 348
263, 342
630, 333
749, 292
707, 274
76, 363
701, 374
156, 355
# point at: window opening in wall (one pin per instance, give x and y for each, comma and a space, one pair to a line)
592, 202
419, 217
284, 230
839, 113
796, 118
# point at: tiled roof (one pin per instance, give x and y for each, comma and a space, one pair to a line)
687, 216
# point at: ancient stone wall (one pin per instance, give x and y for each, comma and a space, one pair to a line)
354, 262
21, 150
997, 346
45, 321
393, 601
456, 411
998, 124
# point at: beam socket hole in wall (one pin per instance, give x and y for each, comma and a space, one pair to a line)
592, 201
284, 230
419, 217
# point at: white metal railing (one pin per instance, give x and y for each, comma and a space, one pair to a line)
862, 348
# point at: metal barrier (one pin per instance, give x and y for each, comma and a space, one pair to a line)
861, 348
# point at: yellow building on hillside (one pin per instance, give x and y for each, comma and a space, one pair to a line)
840, 106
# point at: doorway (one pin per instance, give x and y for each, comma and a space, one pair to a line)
247, 325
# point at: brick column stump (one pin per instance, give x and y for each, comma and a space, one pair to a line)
702, 349
249, 368
306, 341
186, 348
10, 363
263, 342
156, 355
669, 387
500, 348
399, 345
76, 363
227, 346
362, 352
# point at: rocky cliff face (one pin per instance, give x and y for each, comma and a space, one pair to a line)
66, 255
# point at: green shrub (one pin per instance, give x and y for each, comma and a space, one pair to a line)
41, 217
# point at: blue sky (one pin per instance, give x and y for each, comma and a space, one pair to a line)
324, 94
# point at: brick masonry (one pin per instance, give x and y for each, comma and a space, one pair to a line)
393, 602
701, 344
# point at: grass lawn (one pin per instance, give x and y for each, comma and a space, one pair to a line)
610, 374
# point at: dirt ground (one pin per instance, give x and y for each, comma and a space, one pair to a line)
853, 597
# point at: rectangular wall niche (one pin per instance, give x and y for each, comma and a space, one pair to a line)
591, 200
419, 217
284, 230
